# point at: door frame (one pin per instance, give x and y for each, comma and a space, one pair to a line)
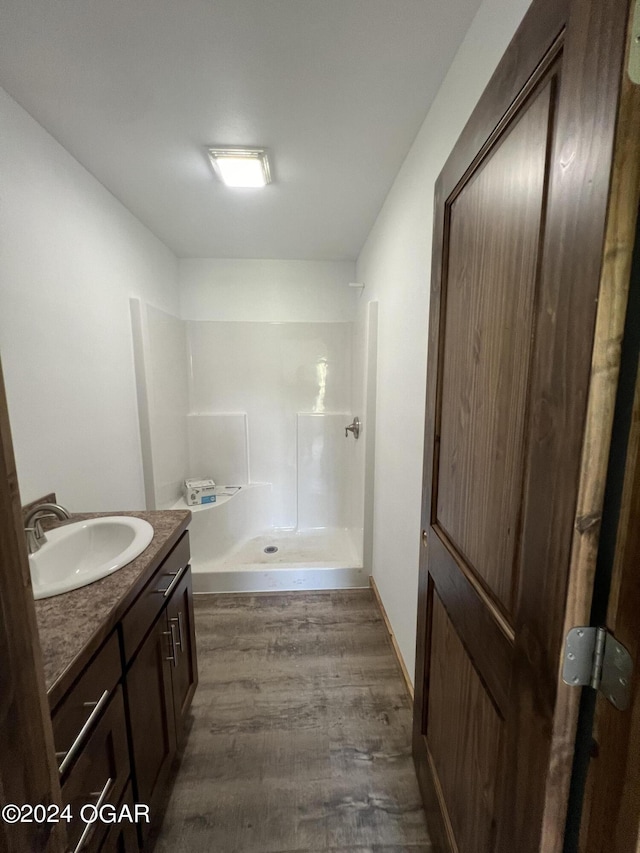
28, 767
593, 38
610, 812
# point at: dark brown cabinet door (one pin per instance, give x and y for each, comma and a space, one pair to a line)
517, 429
185, 672
151, 715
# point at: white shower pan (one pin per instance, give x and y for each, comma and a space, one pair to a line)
232, 549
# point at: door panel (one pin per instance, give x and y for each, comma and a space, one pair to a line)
509, 524
493, 256
464, 731
486, 637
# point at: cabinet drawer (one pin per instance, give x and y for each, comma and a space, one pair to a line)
139, 619
122, 837
88, 697
99, 776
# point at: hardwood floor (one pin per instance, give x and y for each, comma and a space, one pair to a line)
301, 735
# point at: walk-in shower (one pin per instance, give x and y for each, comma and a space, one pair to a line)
266, 409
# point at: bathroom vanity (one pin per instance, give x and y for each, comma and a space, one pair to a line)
121, 670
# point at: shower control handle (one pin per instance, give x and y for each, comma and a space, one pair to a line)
353, 427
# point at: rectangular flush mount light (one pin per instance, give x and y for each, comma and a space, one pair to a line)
241, 167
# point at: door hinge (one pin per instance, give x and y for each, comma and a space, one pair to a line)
594, 658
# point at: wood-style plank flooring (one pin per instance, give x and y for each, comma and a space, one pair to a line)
301, 732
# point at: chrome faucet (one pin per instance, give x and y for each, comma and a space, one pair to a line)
33, 526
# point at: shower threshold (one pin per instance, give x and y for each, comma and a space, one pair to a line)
304, 560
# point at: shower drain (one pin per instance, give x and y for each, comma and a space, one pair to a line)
270, 549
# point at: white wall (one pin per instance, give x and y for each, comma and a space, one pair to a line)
71, 256
395, 265
267, 291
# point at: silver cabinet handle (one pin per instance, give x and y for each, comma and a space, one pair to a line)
89, 827
177, 577
172, 640
177, 620
180, 629
75, 746
174, 644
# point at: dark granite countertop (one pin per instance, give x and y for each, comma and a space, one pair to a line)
73, 625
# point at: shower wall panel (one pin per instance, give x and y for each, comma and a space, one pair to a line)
218, 448
160, 349
273, 372
323, 465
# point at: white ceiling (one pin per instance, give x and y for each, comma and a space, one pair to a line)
335, 89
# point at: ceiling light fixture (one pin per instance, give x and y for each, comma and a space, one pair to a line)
241, 167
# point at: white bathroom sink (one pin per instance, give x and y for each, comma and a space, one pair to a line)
78, 554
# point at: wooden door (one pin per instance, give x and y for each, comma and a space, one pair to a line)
28, 766
185, 674
525, 323
151, 717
